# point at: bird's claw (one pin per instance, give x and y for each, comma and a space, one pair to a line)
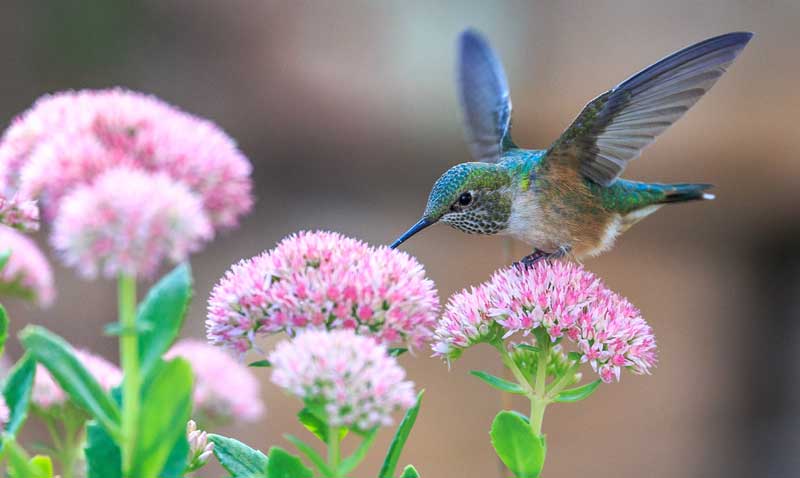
537, 255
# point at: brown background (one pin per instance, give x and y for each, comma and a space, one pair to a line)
348, 112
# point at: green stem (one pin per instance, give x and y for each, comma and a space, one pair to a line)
539, 398
511, 365
334, 452
129, 356
555, 388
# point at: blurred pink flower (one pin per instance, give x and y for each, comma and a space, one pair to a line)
223, 387
19, 214
323, 280
47, 393
129, 222
5, 414
564, 299
69, 138
27, 272
352, 377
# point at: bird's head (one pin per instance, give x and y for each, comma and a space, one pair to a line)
472, 197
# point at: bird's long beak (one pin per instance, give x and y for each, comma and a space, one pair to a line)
422, 224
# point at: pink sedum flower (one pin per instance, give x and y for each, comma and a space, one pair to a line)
129, 222
27, 272
562, 298
351, 377
223, 387
323, 280
69, 138
47, 393
5, 414
19, 214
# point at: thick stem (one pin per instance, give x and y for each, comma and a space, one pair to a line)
334, 452
539, 399
129, 356
511, 365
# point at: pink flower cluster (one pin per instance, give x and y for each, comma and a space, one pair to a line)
137, 220
323, 280
68, 146
357, 383
564, 299
27, 271
5, 414
19, 214
47, 393
223, 387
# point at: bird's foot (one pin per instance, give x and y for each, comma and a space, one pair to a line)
537, 255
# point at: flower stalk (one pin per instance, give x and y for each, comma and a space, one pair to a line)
334, 450
129, 356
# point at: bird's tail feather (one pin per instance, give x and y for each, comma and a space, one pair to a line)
685, 192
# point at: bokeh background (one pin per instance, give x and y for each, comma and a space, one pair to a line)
348, 112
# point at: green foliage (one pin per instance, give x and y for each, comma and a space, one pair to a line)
498, 383
311, 454
3, 328
21, 466
578, 393
166, 407
178, 458
399, 440
350, 463
17, 393
282, 464
260, 363
528, 347
103, 459
161, 315
5, 255
316, 425
397, 351
238, 459
42, 466
57, 357
409, 472
519, 448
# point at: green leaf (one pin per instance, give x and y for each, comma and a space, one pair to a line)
316, 425
399, 440
498, 382
260, 363
42, 466
4, 257
311, 454
282, 464
20, 466
177, 461
528, 347
161, 315
517, 446
350, 463
574, 356
3, 328
17, 393
578, 393
103, 459
166, 407
57, 357
397, 351
409, 472
237, 458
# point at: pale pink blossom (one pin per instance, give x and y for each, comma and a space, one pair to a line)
200, 449
27, 272
323, 280
69, 138
352, 378
129, 222
564, 300
223, 387
5, 414
19, 213
47, 393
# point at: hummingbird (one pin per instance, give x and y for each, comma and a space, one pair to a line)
568, 199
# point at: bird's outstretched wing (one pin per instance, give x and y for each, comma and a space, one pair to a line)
614, 127
485, 99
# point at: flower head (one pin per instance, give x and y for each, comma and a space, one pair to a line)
223, 387
47, 393
351, 378
5, 414
323, 280
19, 214
68, 139
563, 299
127, 222
27, 272
200, 449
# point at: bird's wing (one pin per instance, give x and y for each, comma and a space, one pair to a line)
485, 99
614, 127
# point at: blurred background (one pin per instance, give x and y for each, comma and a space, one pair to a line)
348, 112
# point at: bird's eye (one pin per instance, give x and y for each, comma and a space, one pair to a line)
465, 199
